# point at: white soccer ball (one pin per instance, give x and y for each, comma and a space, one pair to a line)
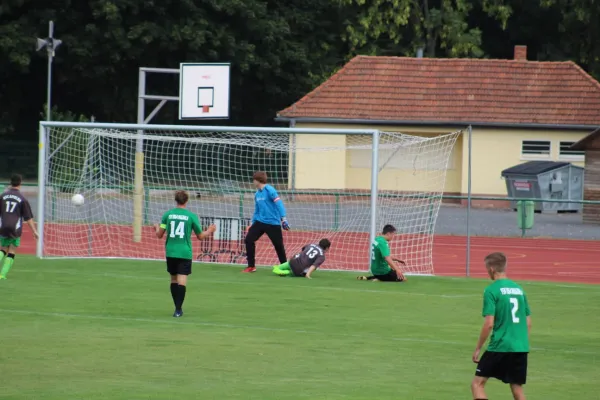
77, 199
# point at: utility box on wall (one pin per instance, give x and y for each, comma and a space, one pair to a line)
546, 180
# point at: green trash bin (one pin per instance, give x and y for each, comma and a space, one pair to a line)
525, 214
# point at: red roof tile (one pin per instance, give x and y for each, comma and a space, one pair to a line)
454, 90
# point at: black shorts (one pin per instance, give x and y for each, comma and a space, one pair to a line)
507, 367
297, 270
179, 266
391, 276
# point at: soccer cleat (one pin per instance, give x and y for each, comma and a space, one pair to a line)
249, 269
2, 277
178, 313
279, 272
361, 278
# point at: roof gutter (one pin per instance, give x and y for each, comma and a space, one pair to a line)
457, 124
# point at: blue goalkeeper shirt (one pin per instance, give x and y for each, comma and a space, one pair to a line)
268, 207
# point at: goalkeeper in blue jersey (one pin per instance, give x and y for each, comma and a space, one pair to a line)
269, 217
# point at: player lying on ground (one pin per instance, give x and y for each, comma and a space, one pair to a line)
507, 318
306, 262
383, 266
14, 210
178, 223
269, 217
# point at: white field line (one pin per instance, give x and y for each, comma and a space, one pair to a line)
256, 283
487, 246
586, 288
172, 321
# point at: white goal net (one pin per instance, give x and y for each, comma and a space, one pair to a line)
128, 178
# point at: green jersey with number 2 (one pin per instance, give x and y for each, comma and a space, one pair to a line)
179, 224
507, 302
380, 249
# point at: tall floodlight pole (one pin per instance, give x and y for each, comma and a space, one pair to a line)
50, 43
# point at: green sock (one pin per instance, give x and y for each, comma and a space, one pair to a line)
2, 254
285, 266
8, 262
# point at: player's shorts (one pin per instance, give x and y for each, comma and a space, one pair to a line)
8, 241
297, 270
391, 276
179, 266
507, 367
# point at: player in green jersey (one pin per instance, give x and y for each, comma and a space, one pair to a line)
178, 224
383, 267
507, 318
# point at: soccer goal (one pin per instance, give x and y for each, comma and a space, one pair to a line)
339, 184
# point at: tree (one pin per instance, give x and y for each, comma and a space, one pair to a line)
278, 50
579, 33
400, 27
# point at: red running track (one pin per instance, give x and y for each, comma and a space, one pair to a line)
556, 260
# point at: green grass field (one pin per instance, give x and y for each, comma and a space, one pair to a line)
102, 329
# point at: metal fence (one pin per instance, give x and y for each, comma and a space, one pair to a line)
466, 224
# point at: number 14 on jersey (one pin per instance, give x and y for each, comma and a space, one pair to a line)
177, 229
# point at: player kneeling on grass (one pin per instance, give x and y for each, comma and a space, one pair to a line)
178, 223
306, 262
383, 266
507, 318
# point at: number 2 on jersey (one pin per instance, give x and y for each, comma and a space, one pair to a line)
178, 231
515, 308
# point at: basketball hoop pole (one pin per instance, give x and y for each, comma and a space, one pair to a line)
142, 119
142, 96
138, 181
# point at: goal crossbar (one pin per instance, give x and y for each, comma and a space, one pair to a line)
206, 128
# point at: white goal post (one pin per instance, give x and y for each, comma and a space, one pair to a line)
340, 184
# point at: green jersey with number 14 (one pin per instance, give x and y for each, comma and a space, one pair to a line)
179, 224
507, 302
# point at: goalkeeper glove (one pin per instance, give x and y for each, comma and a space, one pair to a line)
284, 224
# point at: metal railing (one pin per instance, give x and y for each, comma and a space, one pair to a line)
243, 197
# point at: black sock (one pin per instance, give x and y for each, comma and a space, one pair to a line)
174, 293
370, 278
180, 297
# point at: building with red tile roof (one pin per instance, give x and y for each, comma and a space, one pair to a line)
519, 110
401, 90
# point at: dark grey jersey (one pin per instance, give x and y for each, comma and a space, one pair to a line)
14, 209
311, 255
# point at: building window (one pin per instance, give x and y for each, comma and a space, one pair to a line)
565, 152
536, 149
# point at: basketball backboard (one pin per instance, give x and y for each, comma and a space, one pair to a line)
204, 90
